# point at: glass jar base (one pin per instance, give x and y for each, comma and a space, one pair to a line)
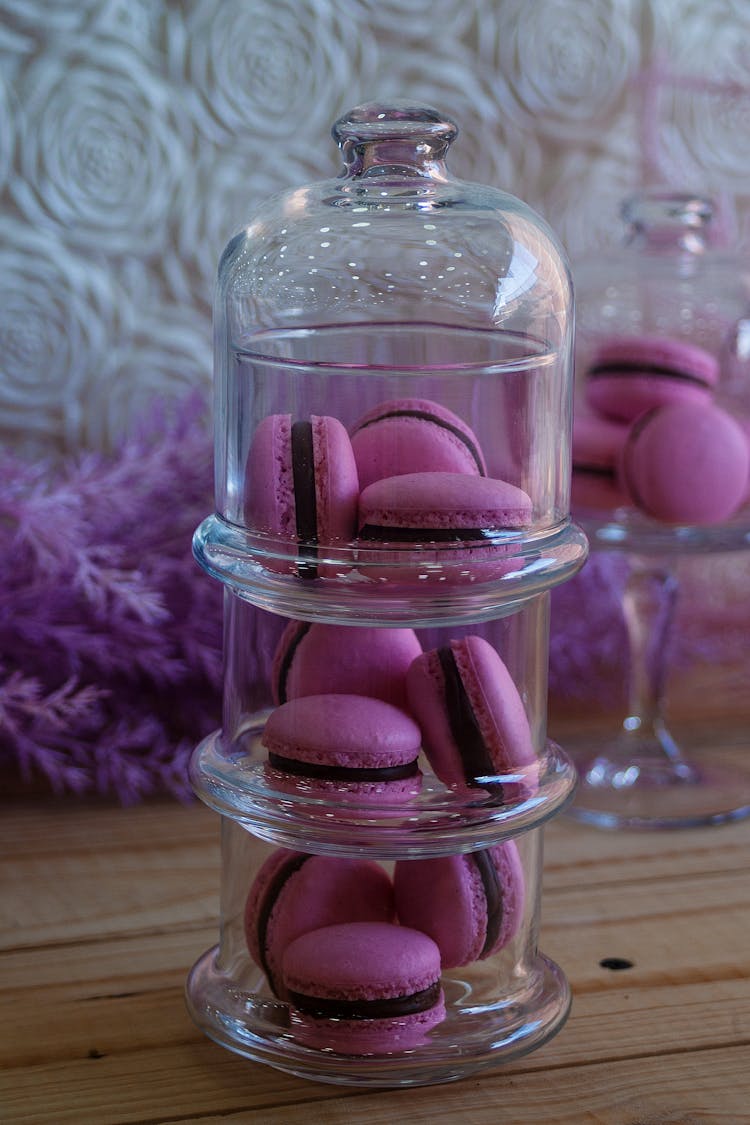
436, 821
418, 591
704, 787
472, 1037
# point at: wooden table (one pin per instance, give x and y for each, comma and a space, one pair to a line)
104, 910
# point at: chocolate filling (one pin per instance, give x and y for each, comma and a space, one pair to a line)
493, 897
265, 908
389, 1007
375, 531
632, 368
594, 470
342, 773
475, 758
426, 416
289, 655
305, 505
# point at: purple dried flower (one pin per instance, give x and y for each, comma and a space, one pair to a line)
109, 633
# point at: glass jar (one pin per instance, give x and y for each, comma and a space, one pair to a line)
496, 996
393, 410
457, 792
403, 322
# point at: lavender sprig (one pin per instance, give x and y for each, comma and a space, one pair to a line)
109, 634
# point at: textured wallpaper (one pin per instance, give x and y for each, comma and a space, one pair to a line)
135, 135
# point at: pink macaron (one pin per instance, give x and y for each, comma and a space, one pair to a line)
352, 744
631, 374
364, 988
686, 464
470, 905
597, 448
294, 892
474, 725
413, 435
302, 488
316, 659
440, 527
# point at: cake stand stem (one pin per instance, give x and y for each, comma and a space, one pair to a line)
645, 753
638, 776
646, 749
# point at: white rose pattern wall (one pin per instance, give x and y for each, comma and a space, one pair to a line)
135, 137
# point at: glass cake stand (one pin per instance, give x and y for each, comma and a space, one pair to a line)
640, 776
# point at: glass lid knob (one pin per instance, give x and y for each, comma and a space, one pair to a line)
376, 137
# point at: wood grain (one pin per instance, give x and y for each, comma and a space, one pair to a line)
103, 910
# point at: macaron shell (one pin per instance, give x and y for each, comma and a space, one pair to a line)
443, 501
687, 465
673, 371
362, 961
446, 898
318, 891
597, 448
336, 480
425, 692
411, 436
358, 963
642, 393
385, 798
269, 482
509, 868
659, 351
497, 706
353, 731
496, 703
317, 659
267, 875
438, 567
597, 442
596, 492
430, 529
271, 502
369, 1037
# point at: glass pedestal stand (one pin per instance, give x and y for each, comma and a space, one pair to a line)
640, 776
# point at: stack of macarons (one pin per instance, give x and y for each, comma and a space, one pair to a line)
358, 956
355, 707
408, 474
651, 434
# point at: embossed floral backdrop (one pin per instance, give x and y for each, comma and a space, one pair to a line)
136, 134
135, 137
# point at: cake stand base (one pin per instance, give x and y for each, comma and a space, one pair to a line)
473, 1036
620, 788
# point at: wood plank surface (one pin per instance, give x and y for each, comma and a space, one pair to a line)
103, 910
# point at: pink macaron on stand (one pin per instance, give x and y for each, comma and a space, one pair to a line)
393, 428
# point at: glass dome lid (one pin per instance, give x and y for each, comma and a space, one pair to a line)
446, 308
396, 238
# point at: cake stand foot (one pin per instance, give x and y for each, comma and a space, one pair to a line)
652, 783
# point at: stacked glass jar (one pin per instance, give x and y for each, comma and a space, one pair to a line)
393, 414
